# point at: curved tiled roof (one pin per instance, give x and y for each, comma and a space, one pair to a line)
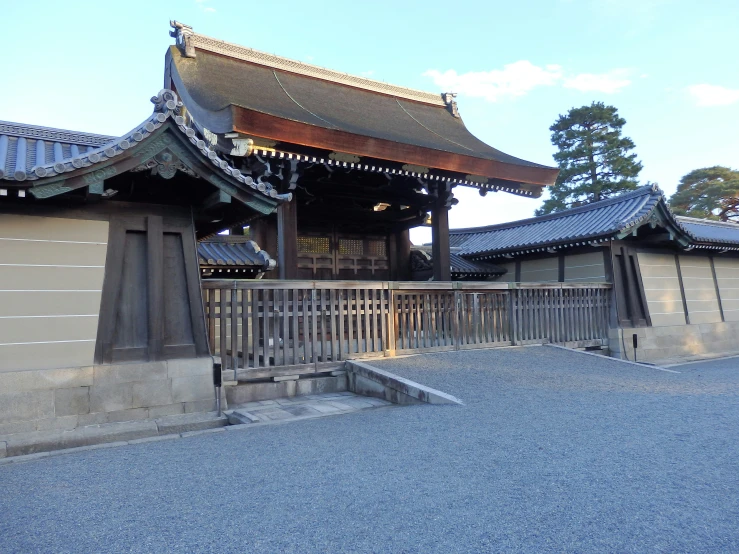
39, 146
215, 82
39, 165
594, 222
462, 266
202, 42
229, 88
586, 222
459, 266
233, 252
706, 230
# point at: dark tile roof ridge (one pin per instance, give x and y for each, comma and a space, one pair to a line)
39, 132
274, 61
646, 190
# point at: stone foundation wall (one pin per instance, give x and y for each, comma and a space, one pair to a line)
675, 341
38, 400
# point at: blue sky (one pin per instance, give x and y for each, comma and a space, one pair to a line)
671, 67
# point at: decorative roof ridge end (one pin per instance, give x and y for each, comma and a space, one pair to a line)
188, 41
166, 106
38, 132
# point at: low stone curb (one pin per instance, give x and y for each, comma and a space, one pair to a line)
223, 427
638, 364
368, 380
98, 436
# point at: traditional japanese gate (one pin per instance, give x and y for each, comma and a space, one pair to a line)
267, 328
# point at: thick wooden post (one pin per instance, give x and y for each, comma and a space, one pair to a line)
440, 243
155, 285
399, 256
287, 240
392, 257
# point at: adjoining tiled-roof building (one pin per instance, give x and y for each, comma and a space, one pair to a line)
675, 279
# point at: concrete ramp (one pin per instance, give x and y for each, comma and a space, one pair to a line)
368, 380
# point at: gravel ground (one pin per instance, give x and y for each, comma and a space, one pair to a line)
552, 451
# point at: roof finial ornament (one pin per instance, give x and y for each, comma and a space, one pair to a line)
183, 33
166, 101
451, 104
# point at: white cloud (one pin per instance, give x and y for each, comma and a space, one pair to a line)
713, 95
210, 10
521, 77
608, 83
206, 9
515, 79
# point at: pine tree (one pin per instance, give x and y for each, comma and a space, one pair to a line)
595, 161
709, 193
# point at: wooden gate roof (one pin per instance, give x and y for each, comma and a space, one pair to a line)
231, 89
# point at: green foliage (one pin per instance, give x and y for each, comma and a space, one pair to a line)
708, 193
594, 159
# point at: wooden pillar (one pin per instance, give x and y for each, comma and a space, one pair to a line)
264, 232
403, 255
155, 285
392, 257
440, 243
287, 240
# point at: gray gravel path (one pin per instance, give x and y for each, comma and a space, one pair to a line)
552, 451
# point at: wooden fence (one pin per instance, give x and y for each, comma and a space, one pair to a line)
267, 328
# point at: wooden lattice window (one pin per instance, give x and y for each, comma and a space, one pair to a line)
314, 245
351, 247
377, 248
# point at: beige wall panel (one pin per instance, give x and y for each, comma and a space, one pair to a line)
727, 275
51, 253
45, 356
726, 267
47, 329
662, 289
52, 228
731, 309
51, 278
49, 303
585, 267
700, 290
657, 265
544, 270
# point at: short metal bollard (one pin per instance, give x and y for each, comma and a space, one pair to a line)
217, 383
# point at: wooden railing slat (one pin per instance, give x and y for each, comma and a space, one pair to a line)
265, 328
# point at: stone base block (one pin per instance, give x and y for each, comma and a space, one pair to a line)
254, 392
676, 342
63, 399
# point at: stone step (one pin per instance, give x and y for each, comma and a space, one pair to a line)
243, 392
302, 407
